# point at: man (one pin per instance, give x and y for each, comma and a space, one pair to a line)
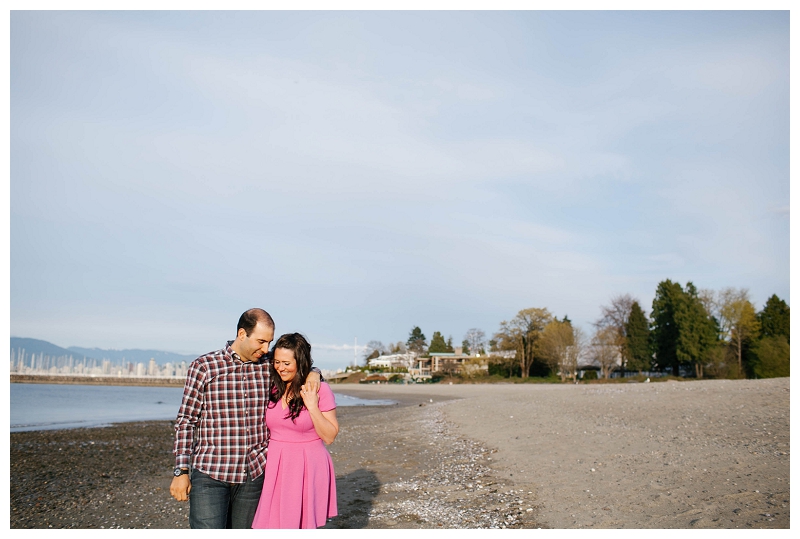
220, 429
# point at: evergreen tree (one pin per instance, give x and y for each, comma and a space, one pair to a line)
465, 347
637, 340
438, 344
682, 332
416, 341
450, 344
774, 318
664, 329
697, 330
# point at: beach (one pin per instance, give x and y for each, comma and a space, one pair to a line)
690, 454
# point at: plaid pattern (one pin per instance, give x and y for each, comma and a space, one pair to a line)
222, 417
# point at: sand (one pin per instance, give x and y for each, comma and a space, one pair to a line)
693, 454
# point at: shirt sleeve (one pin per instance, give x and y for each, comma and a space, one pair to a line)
188, 415
327, 401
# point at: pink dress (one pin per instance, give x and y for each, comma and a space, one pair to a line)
299, 482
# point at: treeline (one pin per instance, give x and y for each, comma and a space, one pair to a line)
715, 334
701, 333
474, 341
689, 332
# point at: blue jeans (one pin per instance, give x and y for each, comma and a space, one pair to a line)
216, 504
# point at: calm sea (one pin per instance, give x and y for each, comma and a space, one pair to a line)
64, 406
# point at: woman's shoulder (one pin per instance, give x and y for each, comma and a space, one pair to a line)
326, 396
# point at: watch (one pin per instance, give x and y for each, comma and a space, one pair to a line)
180, 471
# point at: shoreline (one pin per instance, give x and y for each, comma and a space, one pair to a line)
69, 379
712, 454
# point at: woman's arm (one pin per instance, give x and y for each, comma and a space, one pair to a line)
325, 423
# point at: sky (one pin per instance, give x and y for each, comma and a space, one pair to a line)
360, 173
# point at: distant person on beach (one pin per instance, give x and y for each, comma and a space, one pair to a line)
299, 482
220, 431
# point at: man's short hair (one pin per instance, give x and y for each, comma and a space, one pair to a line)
251, 317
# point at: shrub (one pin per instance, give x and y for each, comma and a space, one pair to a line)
771, 357
589, 375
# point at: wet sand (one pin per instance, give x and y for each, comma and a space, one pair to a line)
707, 454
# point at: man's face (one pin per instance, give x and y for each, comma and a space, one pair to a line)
252, 347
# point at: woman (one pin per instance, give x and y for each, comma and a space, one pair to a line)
299, 482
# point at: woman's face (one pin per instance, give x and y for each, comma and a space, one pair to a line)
285, 364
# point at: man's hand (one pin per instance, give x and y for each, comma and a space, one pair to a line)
180, 487
312, 382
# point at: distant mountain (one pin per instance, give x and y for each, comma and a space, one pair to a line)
135, 355
37, 346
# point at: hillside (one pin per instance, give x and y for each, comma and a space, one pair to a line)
38, 346
136, 355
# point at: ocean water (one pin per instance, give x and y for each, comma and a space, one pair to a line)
66, 406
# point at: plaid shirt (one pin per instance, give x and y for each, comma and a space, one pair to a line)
221, 418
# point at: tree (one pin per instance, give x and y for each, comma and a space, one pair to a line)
438, 344
664, 330
637, 340
562, 345
718, 361
697, 330
416, 341
616, 316
771, 357
465, 347
774, 318
450, 344
476, 340
605, 350
711, 303
522, 334
682, 331
373, 350
398, 348
738, 320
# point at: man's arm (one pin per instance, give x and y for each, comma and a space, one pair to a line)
313, 379
188, 415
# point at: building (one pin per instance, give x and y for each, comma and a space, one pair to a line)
393, 361
447, 363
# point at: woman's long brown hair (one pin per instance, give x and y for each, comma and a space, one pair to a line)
302, 355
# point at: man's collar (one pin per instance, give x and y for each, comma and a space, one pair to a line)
231, 352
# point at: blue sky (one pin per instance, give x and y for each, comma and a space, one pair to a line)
359, 173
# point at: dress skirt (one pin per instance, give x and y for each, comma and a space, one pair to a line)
299, 486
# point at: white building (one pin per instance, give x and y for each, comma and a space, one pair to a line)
392, 361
